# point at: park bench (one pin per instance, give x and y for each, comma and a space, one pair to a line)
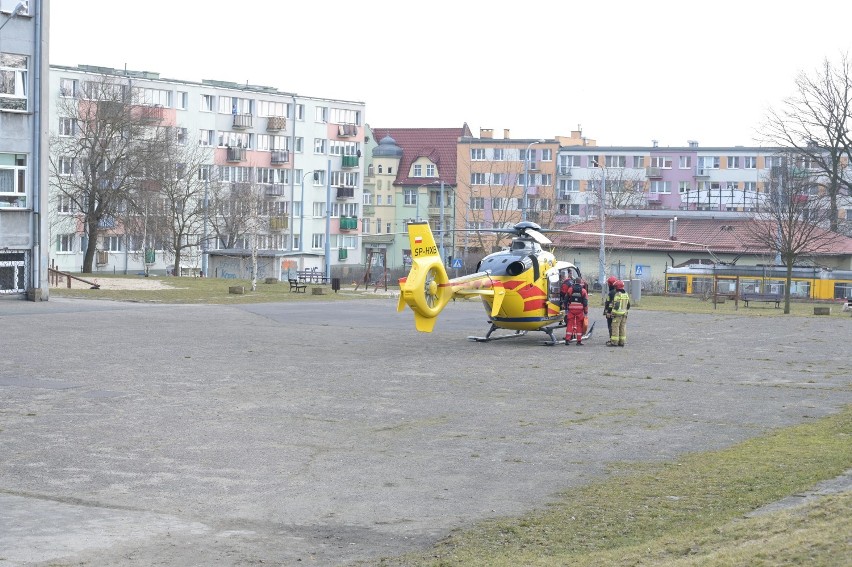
764, 297
296, 286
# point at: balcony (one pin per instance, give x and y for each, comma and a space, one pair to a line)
702, 172
653, 197
102, 258
276, 190
152, 114
347, 130
565, 170
278, 223
236, 154
654, 172
242, 121
345, 192
280, 156
275, 123
342, 254
349, 161
348, 223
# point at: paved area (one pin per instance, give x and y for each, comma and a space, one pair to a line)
315, 433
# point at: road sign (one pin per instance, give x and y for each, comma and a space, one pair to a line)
638, 270
457, 263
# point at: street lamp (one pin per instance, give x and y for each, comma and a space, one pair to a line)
526, 180
602, 253
15, 11
302, 213
328, 223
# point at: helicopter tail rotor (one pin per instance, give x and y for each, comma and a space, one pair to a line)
426, 289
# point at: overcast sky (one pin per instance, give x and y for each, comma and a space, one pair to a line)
627, 72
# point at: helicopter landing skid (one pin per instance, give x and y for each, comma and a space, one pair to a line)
493, 328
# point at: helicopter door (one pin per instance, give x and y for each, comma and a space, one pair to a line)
536, 269
554, 286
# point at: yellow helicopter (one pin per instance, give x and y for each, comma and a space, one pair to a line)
519, 286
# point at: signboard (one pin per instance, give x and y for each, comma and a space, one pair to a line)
457, 263
638, 271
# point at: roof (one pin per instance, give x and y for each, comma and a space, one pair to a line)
690, 235
437, 144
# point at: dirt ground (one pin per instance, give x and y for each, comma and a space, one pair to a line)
118, 283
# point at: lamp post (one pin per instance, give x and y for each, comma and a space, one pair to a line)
204, 246
302, 213
526, 176
602, 253
328, 222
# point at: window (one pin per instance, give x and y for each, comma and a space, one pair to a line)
156, 97
112, 243
568, 186
708, 162
499, 154
663, 162
660, 187
638, 161
684, 162
13, 176
182, 134
365, 226
271, 108
234, 140
498, 178
13, 82
234, 105
546, 179
266, 143
67, 126
66, 166
616, 161
418, 170
64, 205
750, 162
477, 154
321, 114
546, 154
593, 161
410, 196
318, 240
344, 116
477, 203
64, 242
478, 179
319, 145
207, 103
300, 112
182, 101
684, 186
774, 161
68, 88
206, 137
390, 199
733, 162
430, 170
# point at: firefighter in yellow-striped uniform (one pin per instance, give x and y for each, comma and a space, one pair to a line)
620, 306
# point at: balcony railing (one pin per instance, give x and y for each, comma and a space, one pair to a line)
345, 192
654, 172
347, 130
278, 223
349, 161
236, 154
276, 190
242, 121
348, 223
152, 113
280, 156
702, 172
275, 123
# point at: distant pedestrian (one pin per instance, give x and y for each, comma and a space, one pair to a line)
620, 307
610, 284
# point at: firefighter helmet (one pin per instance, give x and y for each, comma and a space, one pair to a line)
611, 280
619, 285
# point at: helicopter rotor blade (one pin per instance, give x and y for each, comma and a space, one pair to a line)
537, 236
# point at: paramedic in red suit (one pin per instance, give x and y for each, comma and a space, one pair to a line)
577, 300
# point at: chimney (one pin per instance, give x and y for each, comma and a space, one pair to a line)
506, 135
673, 229
692, 143
654, 143
486, 133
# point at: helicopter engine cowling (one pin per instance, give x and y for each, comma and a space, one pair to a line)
519, 266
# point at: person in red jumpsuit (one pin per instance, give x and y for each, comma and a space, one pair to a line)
577, 304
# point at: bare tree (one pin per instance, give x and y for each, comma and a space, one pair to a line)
814, 123
794, 217
106, 140
169, 206
624, 188
243, 216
